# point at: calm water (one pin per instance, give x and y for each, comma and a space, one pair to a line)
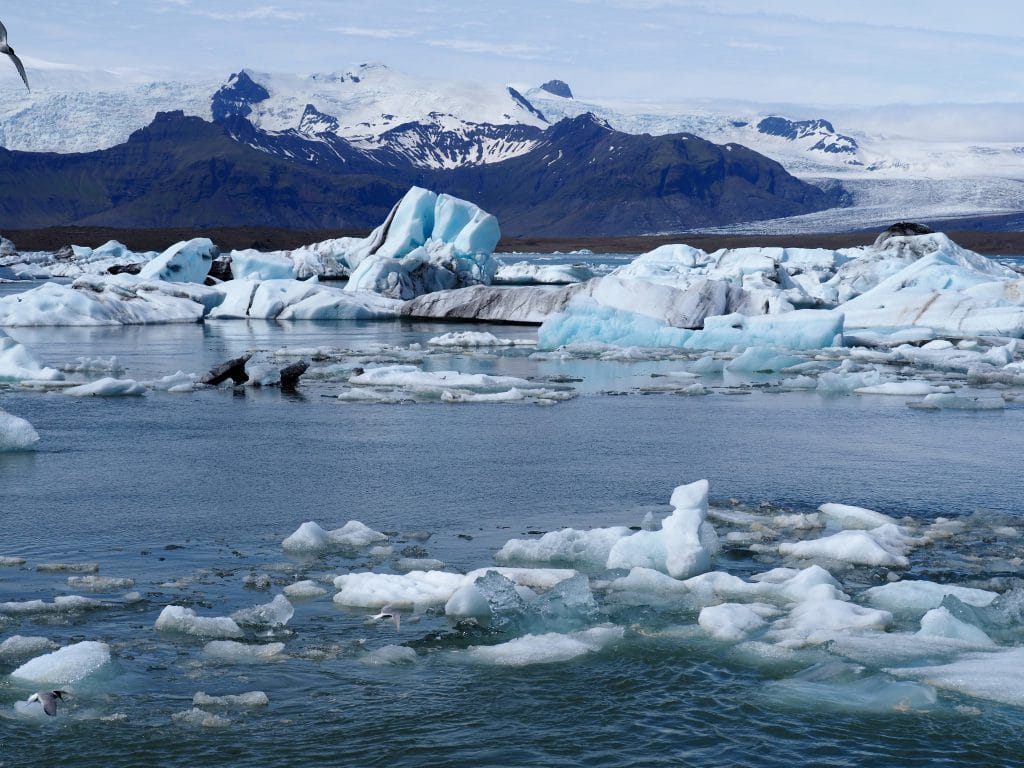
189, 494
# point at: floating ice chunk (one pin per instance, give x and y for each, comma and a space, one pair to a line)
936, 402
243, 653
107, 387
176, 383
684, 545
246, 700
11, 562
491, 597
375, 590
885, 545
311, 538
261, 265
840, 687
995, 676
68, 567
111, 300
60, 604
389, 656
567, 547
16, 434
762, 360
16, 364
19, 647
175, 618
67, 666
940, 623
816, 621
430, 588
525, 273
732, 622
901, 388
846, 516
917, 597
94, 583
276, 613
185, 262
549, 648
474, 339
199, 718
304, 590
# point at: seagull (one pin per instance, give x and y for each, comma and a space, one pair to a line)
387, 612
5, 48
48, 699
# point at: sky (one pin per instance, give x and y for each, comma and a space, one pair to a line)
829, 52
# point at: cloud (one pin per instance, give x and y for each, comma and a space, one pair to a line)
380, 34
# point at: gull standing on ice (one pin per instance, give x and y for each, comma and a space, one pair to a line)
5, 48
48, 699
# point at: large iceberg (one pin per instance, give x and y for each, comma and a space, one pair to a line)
678, 296
429, 242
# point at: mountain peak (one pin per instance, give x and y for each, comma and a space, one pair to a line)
557, 88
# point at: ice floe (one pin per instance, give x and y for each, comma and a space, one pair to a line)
547, 648
234, 652
176, 618
16, 434
310, 538
69, 665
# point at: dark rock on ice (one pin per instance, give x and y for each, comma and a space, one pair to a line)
233, 369
903, 229
290, 374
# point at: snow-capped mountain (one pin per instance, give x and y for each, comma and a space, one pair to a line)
895, 163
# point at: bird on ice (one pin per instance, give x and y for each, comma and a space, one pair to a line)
48, 699
5, 48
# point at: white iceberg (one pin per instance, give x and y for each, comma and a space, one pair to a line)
176, 618
185, 262
311, 538
16, 434
274, 614
69, 665
234, 652
17, 364
549, 648
107, 387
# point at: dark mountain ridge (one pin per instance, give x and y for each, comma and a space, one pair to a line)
580, 177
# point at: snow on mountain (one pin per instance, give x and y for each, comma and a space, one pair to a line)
435, 123
72, 110
927, 161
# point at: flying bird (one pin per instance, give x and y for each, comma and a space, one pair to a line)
388, 612
48, 699
5, 48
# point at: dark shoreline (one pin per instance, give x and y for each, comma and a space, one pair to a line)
272, 239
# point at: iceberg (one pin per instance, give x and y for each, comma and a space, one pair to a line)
16, 434
185, 262
176, 618
548, 648
311, 538
274, 614
69, 665
17, 364
234, 652
428, 242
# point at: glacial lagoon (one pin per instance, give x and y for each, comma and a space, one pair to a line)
133, 504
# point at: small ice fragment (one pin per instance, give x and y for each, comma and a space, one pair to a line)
242, 653
198, 717
235, 700
276, 613
176, 618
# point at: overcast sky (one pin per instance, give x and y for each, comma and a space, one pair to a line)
863, 52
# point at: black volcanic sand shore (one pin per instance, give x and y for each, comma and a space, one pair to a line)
272, 239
